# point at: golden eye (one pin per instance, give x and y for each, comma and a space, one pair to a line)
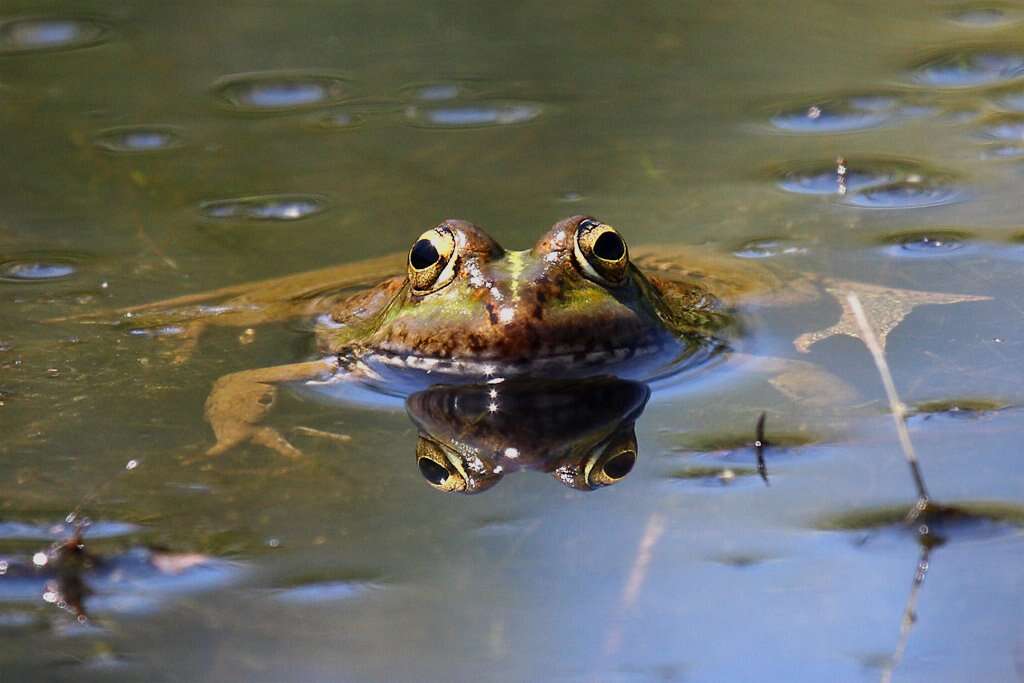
601, 252
444, 469
436, 468
605, 465
432, 260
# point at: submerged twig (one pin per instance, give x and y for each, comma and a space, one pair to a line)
899, 411
759, 445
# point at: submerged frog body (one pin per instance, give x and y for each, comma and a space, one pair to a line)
576, 305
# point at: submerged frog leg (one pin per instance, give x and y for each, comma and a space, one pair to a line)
805, 383
240, 401
248, 304
886, 307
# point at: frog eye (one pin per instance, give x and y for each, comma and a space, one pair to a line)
607, 464
444, 471
432, 260
600, 252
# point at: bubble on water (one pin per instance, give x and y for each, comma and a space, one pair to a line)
279, 91
828, 118
474, 115
910, 193
50, 33
282, 207
933, 243
770, 248
138, 139
969, 69
44, 268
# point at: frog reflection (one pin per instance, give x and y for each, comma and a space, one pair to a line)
581, 432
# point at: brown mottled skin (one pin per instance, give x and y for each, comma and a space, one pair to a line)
543, 312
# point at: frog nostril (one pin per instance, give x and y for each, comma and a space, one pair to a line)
423, 255
609, 246
432, 472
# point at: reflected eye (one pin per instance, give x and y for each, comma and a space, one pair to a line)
432, 260
444, 469
436, 468
605, 465
433, 472
600, 252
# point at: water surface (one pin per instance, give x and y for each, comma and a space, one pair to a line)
150, 152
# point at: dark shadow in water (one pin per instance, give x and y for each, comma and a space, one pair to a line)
581, 432
70, 575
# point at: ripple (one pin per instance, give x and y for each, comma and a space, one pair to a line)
138, 139
979, 17
279, 91
12, 530
853, 113
1010, 99
474, 115
770, 248
969, 69
341, 119
906, 194
824, 179
280, 207
324, 591
1003, 152
933, 243
37, 268
437, 92
50, 33
1007, 129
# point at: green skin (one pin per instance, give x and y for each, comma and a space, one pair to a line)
544, 312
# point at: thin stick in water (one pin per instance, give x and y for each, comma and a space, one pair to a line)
899, 411
759, 445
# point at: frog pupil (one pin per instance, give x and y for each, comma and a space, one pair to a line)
609, 247
432, 472
423, 255
620, 465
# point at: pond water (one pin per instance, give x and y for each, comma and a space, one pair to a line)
152, 152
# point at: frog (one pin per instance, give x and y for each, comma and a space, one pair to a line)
458, 308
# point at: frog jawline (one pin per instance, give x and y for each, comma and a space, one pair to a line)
572, 364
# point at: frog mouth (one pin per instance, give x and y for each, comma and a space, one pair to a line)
558, 362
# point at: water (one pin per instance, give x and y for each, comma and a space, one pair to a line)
162, 150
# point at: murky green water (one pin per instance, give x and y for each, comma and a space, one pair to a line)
153, 152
